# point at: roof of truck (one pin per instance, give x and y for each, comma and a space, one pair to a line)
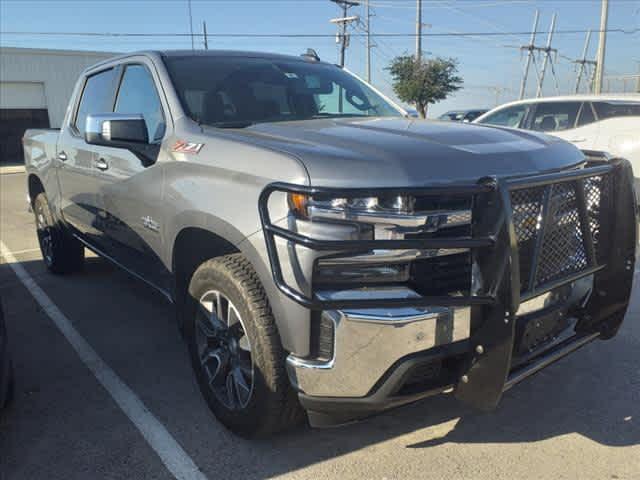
206, 53
226, 53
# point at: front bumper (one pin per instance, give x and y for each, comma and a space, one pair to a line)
479, 344
368, 343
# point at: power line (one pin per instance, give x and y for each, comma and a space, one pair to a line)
313, 35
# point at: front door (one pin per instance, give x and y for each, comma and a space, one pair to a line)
129, 184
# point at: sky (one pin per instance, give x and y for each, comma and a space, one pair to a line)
491, 65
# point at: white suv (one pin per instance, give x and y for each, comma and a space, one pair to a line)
608, 123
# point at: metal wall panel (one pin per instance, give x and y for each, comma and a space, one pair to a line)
20, 95
57, 70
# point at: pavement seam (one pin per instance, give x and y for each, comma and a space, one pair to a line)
172, 455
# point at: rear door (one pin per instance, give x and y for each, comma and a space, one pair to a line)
555, 118
76, 159
573, 121
130, 182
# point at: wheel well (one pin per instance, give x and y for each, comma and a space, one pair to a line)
192, 247
35, 187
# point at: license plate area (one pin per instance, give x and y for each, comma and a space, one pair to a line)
536, 330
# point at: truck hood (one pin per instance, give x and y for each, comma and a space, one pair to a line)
404, 152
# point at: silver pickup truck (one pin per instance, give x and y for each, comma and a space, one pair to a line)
326, 254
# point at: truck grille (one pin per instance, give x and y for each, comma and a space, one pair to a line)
555, 224
445, 275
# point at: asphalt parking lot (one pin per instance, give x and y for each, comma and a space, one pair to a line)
579, 418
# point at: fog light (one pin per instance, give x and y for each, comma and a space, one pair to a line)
334, 274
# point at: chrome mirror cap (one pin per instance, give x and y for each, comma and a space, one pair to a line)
113, 129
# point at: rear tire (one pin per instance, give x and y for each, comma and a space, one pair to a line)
242, 344
61, 252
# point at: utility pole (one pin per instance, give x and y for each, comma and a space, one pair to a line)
529, 48
204, 29
418, 30
368, 25
602, 43
547, 54
343, 38
190, 24
592, 81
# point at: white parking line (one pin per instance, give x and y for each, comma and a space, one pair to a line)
20, 252
168, 449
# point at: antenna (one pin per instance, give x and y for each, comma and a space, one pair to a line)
311, 54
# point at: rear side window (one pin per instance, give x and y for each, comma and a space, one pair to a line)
507, 117
138, 95
555, 116
97, 97
612, 109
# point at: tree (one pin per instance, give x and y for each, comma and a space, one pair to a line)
422, 82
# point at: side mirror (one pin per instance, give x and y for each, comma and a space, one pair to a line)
116, 130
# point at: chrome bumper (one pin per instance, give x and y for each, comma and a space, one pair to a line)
367, 343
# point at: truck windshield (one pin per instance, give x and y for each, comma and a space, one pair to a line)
236, 92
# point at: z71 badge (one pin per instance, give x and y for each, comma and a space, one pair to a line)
187, 147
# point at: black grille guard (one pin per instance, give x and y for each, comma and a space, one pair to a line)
495, 253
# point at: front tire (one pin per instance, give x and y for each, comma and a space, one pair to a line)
235, 349
61, 252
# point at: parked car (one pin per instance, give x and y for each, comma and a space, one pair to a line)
462, 115
6, 371
607, 123
318, 244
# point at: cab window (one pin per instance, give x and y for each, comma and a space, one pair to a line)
97, 97
138, 95
508, 117
555, 116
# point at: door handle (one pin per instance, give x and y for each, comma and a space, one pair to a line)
62, 156
578, 140
101, 164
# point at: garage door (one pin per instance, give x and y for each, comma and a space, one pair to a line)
22, 105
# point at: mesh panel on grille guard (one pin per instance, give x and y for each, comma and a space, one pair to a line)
562, 248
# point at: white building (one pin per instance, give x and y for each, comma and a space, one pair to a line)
35, 86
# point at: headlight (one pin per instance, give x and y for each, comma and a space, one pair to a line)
365, 209
382, 217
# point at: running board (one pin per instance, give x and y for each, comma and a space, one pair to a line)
547, 358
